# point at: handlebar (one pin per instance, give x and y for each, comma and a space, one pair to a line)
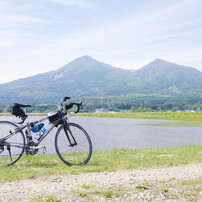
71, 104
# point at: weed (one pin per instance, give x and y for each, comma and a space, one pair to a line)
165, 190
87, 186
108, 193
195, 189
142, 187
81, 192
46, 198
192, 181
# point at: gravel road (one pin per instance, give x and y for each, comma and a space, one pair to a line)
180, 183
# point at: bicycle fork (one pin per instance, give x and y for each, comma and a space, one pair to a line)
67, 128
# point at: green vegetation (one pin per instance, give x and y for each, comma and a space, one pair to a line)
142, 187
185, 116
46, 198
106, 192
132, 103
107, 160
143, 103
161, 190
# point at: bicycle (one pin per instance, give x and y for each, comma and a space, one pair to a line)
72, 143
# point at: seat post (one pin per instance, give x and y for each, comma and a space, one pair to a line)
25, 111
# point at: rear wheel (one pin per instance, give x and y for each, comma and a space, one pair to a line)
11, 149
73, 144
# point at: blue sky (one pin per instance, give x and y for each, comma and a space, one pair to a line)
37, 36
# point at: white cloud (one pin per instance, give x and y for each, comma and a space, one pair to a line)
80, 3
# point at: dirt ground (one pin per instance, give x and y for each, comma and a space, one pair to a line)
181, 183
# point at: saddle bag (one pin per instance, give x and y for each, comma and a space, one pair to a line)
17, 111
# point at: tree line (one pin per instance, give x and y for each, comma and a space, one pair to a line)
126, 103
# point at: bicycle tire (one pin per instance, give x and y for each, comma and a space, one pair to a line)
12, 149
73, 155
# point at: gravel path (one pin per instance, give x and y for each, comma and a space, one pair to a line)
180, 183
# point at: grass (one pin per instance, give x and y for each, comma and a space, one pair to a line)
183, 116
45, 198
106, 192
142, 187
107, 160
29, 114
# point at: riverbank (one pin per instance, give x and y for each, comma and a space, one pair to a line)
183, 116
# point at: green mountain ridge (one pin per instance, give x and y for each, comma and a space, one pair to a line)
86, 77
162, 75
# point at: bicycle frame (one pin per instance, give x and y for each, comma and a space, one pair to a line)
27, 125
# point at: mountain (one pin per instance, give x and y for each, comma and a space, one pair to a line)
162, 76
86, 77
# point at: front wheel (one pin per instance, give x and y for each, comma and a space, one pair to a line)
73, 144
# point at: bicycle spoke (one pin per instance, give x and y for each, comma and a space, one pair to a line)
83, 145
80, 149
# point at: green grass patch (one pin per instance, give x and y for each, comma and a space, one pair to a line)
181, 116
29, 114
107, 160
45, 198
184, 116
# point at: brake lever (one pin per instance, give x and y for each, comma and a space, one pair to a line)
66, 98
81, 105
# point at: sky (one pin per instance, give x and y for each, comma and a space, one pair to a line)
38, 36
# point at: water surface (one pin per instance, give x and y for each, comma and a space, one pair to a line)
108, 133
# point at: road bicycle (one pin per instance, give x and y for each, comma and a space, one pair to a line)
72, 143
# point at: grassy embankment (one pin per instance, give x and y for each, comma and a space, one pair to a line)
108, 160
183, 116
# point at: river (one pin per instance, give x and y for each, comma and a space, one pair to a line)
108, 133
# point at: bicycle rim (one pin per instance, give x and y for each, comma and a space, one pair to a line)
73, 155
11, 149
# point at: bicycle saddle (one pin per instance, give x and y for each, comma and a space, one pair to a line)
21, 105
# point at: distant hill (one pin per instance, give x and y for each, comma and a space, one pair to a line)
162, 76
86, 77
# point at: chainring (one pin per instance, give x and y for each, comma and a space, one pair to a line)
30, 151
